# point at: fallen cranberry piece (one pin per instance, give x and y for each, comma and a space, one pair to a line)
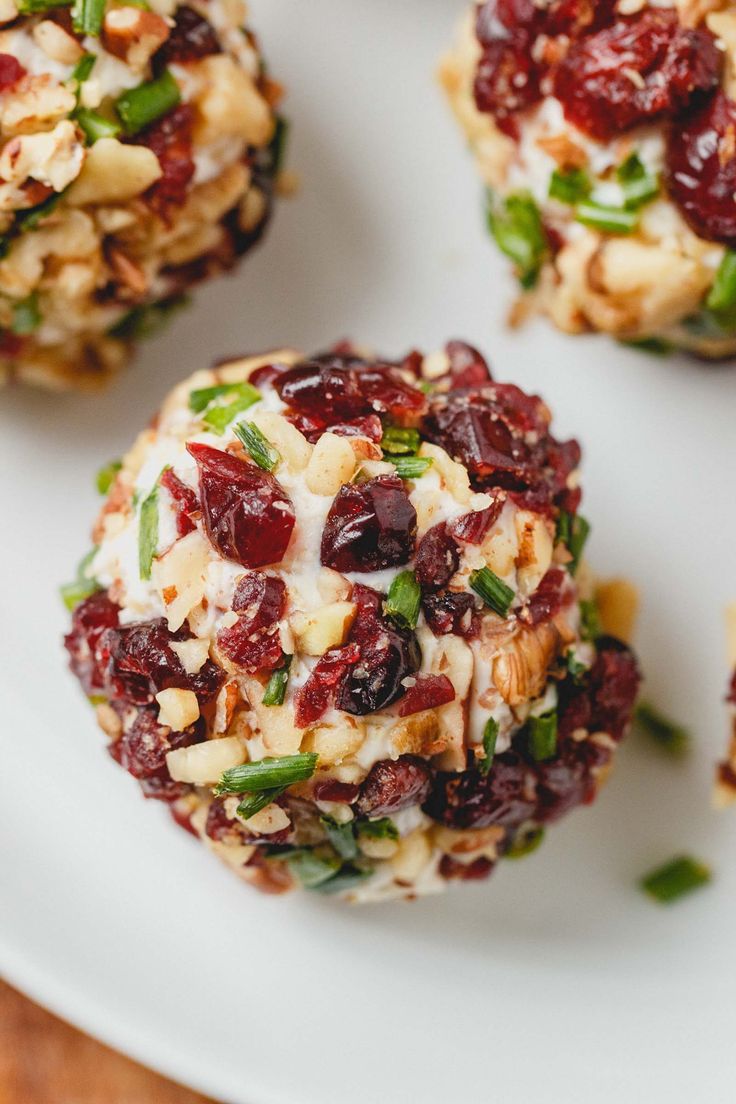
451, 612
318, 693
191, 38
170, 138
392, 785
387, 655
370, 526
248, 516
90, 619
11, 70
428, 692
437, 559
253, 642
186, 503
675, 64
140, 662
144, 743
701, 169
473, 528
467, 367
477, 870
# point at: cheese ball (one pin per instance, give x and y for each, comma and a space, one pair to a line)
336, 616
604, 133
138, 147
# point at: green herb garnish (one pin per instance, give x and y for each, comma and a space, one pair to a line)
31, 7
525, 842
492, 590
672, 737
613, 220
87, 16
30, 219
348, 877
82, 70
575, 668
254, 802
148, 533
311, 869
95, 126
277, 148
341, 836
398, 441
383, 828
219, 417
404, 600
147, 321
83, 586
201, 398
722, 295
106, 476
638, 185
569, 187
655, 346
276, 686
573, 531
490, 736
141, 106
26, 315
590, 622
267, 774
516, 226
543, 736
411, 467
258, 446
676, 878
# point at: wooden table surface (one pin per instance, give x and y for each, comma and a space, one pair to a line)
44, 1061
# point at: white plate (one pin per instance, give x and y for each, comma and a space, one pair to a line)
556, 981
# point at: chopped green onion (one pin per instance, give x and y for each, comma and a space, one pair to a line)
590, 622
492, 590
341, 836
722, 295
516, 226
543, 736
490, 736
148, 533
106, 476
277, 148
276, 686
672, 737
258, 446
425, 386
569, 187
384, 828
638, 185
83, 68
573, 531
95, 126
613, 220
411, 467
253, 803
200, 399
676, 878
348, 877
404, 600
397, 440
26, 315
575, 668
31, 7
267, 774
218, 418
87, 16
147, 321
141, 106
83, 586
311, 869
525, 842
97, 699
655, 346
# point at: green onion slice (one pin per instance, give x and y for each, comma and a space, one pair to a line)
590, 622
95, 126
613, 220
411, 467
31, 7
348, 877
267, 774
311, 869
276, 686
83, 586
490, 736
492, 590
218, 418
147, 321
341, 836
26, 315
106, 476
573, 531
655, 346
543, 736
569, 187
82, 70
673, 738
254, 802
200, 399
87, 16
638, 185
516, 226
141, 106
722, 295
258, 446
383, 828
148, 533
277, 148
403, 600
398, 441
525, 842
676, 878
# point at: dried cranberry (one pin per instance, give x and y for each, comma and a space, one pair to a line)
467, 367
11, 71
170, 138
575, 17
186, 504
507, 79
473, 528
318, 693
267, 373
477, 870
144, 743
140, 662
191, 38
569, 779
451, 612
701, 169
387, 655
330, 789
369, 427
223, 828
370, 526
732, 690
428, 692
388, 393
90, 619
674, 63
248, 516
161, 787
392, 785
548, 599
253, 642
471, 800
437, 559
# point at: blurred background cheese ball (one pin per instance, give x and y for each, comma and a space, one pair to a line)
139, 145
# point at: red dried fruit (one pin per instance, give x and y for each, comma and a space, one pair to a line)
140, 662
576, 17
267, 373
437, 559
467, 367
477, 870
387, 655
11, 70
90, 619
701, 169
392, 785
370, 526
732, 690
451, 612
330, 789
548, 599
473, 528
248, 516
507, 79
471, 800
161, 787
675, 64
253, 642
369, 427
388, 393
186, 503
170, 138
191, 38
223, 828
318, 693
144, 743
428, 692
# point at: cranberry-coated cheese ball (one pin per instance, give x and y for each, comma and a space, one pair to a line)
137, 152
605, 133
336, 618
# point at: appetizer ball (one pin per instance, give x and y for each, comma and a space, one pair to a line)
138, 145
605, 133
336, 618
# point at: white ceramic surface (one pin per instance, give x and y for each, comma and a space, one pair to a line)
555, 982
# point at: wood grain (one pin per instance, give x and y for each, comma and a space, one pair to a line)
44, 1061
